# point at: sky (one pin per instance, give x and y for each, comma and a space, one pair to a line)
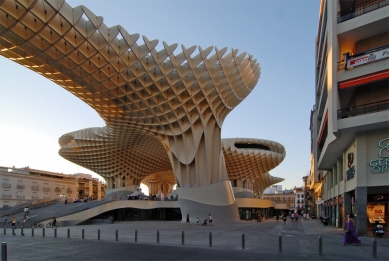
35, 112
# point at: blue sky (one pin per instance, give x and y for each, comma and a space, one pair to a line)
35, 112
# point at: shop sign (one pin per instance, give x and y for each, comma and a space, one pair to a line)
381, 165
375, 211
367, 58
377, 198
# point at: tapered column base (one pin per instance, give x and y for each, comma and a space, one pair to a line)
216, 199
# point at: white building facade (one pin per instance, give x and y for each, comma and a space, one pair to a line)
349, 120
285, 200
19, 185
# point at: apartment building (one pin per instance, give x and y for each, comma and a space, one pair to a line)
349, 120
281, 197
24, 184
20, 185
89, 187
299, 199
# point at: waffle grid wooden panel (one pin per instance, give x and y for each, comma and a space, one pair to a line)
146, 96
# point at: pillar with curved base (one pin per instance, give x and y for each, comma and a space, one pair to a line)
216, 199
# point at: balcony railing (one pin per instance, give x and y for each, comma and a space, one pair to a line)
6, 185
20, 197
363, 109
46, 189
20, 186
69, 191
35, 188
361, 9
46, 198
57, 189
7, 196
35, 197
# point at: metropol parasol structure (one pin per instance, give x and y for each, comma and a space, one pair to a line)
163, 109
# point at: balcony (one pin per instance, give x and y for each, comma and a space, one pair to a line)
6, 185
69, 190
46, 198
6, 196
361, 9
363, 109
35, 188
35, 197
57, 189
20, 186
46, 189
19, 197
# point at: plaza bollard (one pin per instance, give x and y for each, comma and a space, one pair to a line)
3, 251
21, 231
98, 234
210, 239
243, 241
157, 236
117, 235
136, 236
55, 232
82, 234
68, 232
374, 248
32, 231
5, 231
320, 246
183, 238
43, 232
279, 242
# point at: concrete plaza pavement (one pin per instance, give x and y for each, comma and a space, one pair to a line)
299, 242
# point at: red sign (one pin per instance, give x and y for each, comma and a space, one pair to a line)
367, 58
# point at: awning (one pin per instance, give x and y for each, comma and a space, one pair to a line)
364, 79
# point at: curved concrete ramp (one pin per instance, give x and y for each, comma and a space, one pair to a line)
76, 218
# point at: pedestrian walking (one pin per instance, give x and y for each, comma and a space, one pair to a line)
277, 217
54, 222
284, 218
197, 222
13, 222
187, 219
5, 220
24, 222
350, 237
210, 220
296, 216
305, 216
291, 216
66, 200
